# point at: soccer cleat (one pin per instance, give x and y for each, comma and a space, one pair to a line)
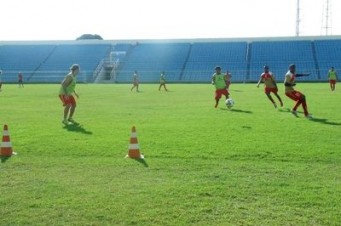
70, 120
294, 113
275, 105
66, 122
309, 116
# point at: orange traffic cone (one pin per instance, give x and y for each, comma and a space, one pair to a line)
134, 151
6, 146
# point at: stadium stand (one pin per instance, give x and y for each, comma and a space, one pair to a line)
182, 60
205, 56
150, 59
62, 56
278, 55
22, 58
328, 54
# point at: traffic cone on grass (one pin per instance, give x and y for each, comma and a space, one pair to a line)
6, 146
134, 151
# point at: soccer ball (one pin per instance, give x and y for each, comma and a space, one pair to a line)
229, 103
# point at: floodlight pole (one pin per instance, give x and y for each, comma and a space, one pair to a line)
327, 25
298, 18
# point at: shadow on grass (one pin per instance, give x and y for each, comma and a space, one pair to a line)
325, 121
4, 158
236, 90
237, 110
142, 161
314, 119
77, 128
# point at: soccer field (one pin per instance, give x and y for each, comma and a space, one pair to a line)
251, 165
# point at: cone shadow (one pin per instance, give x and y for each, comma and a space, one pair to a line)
4, 158
142, 161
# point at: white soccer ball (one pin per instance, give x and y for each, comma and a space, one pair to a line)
229, 102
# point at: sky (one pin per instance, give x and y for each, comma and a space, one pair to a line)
36, 20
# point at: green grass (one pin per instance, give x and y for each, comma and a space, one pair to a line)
253, 165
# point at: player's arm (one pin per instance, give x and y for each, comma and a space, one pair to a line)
76, 94
259, 81
289, 84
291, 79
301, 75
66, 82
213, 80
274, 81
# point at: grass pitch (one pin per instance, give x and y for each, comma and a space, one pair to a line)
252, 165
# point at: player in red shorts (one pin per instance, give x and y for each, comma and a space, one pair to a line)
289, 83
135, 81
332, 76
270, 85
20, 80
219, 81
66, 92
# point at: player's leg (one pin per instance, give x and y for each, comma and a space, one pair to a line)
218, 94
66, 113
279, 98
332, 84
304, 105
292, 95
72, 109
270, 98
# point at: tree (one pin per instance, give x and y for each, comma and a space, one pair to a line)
89, 36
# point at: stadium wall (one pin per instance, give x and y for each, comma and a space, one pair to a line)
195, 64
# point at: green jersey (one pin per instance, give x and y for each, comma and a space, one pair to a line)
70, 89
162, 79
332, 75
219, 81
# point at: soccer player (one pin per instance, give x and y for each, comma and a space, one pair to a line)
135, 81
269, 85
66, 92
0, 79
219, 81
289, 83
20, 80
332, 76
162, 81
228, 77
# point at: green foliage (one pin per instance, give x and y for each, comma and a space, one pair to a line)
252, 165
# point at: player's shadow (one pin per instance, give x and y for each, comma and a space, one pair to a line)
77, 128
325, 121
314, 119
237, 110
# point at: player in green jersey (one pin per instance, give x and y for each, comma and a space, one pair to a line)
66, 92
219, 81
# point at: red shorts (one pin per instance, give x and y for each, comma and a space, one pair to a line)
67, 101
294, 95
269, 90
220, 92
332, 81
